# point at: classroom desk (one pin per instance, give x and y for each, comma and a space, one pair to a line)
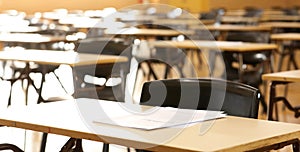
240, 12
274, 25
225, 28
47, 58
280, 39
225, 134
230, 27
289, 18
238, 47
137, 19
279, 78
146, 32
243, 12
286, 36
222, 45
188, 22
30, 38
53, 57
99, 25
239, 20
33, 40
20, 29
71, 20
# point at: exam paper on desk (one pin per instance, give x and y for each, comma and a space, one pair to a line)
160, 117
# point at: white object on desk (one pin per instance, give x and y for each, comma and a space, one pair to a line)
158, 117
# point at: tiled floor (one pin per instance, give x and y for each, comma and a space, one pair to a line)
30, 140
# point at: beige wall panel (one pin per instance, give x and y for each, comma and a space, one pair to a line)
30, 6
239, 4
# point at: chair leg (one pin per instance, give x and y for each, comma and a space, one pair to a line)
151, 72
43, 143
264, 104
69, 146
12, 147
292, 58
167, 71
280, 62
105, 147
296, 147
10, 94
63, 87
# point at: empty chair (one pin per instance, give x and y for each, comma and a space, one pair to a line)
255, 63
253, 12
151, 55
291, 11
234, 98
104, 46
215, 14
171, 57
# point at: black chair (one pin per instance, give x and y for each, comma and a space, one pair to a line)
234, 98
169, 57
253, 12
255, 63
107, 46
215, 14
289, 49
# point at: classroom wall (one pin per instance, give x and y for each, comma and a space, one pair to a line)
31, 6
293, 3
205, 5
193, 6
239, 4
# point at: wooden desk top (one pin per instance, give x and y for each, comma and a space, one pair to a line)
243, 12
280, 18
20, 29
192, 21
281, 24
99, 25
30, 38
145, 32
226, 134
239, 19
78, 20
235, 12
286, 36
285, 76
219, 45
59, 57
229, 27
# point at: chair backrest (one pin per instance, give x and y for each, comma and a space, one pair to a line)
107, 46
255, 59
171, 56
112, 46
212, 94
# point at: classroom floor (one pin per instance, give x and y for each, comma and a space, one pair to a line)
30, 141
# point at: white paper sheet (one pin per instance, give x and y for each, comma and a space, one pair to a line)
160, 117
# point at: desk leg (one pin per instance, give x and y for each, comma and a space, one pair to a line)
271, 100
292, 57
241, 70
